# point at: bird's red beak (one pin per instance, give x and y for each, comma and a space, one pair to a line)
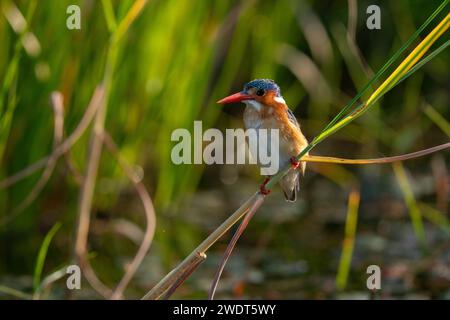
237, 97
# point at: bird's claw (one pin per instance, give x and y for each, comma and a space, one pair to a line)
262, 187
295, 163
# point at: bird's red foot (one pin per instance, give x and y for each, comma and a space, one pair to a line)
262, 187
295, 163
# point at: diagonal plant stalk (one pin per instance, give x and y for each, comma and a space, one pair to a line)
255, 206
399, 74
380, 72
157, 291
199, 258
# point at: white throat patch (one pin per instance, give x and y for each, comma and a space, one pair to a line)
253, 103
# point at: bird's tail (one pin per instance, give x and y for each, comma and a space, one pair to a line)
290, 183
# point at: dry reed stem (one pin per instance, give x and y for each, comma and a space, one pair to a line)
417, 154
85, 201
149, 215
190, 268
172, 277
95, 151
251, 212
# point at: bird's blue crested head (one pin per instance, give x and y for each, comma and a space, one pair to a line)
263, 85
256, 90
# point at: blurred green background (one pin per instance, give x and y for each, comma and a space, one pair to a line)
174, 62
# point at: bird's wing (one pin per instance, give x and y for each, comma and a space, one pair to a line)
294, 121
292, 118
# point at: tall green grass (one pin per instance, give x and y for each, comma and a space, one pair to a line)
174, 62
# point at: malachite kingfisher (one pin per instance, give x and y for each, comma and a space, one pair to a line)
266, 109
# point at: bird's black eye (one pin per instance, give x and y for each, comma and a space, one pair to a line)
260, 92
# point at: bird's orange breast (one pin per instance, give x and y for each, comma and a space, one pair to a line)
291, 139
